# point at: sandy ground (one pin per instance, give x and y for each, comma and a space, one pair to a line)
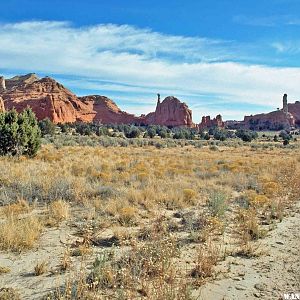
269, 276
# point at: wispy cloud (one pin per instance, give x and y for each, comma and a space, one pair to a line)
290, 47
138, 63
267, 21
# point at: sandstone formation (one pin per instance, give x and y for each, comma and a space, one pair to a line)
20, 80
2, 84
46, 97
50, 99
207, 122
105, 111
170, 112
285, 118
294, 110
2, 108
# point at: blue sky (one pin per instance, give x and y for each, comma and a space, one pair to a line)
230, 57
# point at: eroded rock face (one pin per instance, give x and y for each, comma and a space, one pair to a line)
275, 120
286, 118
294, 109
170, 112
2, 84
2, 108
105, 111
46, 97
207, 122
50, 99
20, 80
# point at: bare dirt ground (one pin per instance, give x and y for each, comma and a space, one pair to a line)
275, 272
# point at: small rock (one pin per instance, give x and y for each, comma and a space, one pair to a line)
240, 287
260, 286
237, 278
279, 243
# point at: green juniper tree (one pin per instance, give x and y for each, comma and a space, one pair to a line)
19, 133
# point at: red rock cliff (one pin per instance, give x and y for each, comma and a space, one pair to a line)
170, 112
46, 97
50, 99
105, 111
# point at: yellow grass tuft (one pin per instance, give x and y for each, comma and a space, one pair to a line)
18, 235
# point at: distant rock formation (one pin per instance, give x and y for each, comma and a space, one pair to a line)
170, 112
50, 99
207, 122
284, 118
2, 84
294, 110
2, 108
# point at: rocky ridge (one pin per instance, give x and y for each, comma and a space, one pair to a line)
50, 99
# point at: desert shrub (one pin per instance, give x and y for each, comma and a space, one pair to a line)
217, 203
47, 127
248, 225
246, 135
189, 195
127, 216
134, 132
205, 262
19, 133
213, 148
285, 135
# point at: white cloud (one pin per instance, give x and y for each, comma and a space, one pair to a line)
287, 47
135, 61
267, 21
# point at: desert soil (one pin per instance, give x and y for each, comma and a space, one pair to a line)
274, 272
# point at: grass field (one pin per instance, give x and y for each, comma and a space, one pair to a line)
138, 222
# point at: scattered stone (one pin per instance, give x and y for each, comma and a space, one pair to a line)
240, 287
260, 286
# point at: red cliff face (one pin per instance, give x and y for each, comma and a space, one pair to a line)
46, 97
50, 99
106, 111
170, 112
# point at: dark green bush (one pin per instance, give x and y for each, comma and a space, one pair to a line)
19, 133
246, 135
47, 127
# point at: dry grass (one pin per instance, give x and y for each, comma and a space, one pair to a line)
144, 207
9, 294
15, 209
4, 270
19, 234
41, 268
58, 211
207, 258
